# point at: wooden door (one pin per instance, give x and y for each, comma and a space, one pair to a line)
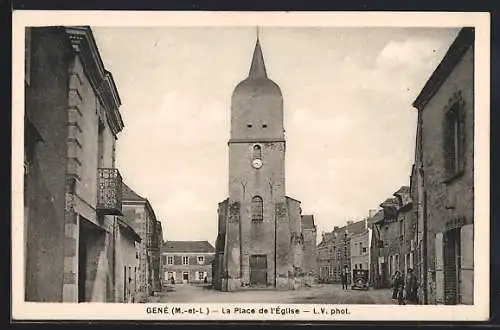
258, 270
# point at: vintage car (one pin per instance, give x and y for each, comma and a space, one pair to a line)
360, 279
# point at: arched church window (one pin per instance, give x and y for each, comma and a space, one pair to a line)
257, 209
257, 152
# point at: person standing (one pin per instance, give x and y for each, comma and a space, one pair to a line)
398, 288
411, 287
345, 277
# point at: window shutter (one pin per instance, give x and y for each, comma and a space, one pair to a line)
467, 264
196, 276
438, 252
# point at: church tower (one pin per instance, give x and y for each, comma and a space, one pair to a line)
257, 171
259, 242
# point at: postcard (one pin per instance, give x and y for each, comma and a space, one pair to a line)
317, 166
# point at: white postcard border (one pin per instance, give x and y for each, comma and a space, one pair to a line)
110, 311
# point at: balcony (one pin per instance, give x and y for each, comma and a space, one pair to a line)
109, 191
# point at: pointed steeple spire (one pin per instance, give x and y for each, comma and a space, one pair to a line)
258, 67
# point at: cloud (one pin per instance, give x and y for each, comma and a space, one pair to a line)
410, 53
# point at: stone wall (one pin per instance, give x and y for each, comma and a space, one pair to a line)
448, 200
310, 255
135, 215
126, 257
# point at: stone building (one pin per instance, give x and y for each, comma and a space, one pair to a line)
406, 219
310, 255
156, 257
139, 214
72, 190
444, 176
360, 248
260, 240
388, 247
335, 251
126, 263
186, 262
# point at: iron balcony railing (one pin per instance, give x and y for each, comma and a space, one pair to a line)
109, 191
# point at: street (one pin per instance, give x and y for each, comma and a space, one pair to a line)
319, 294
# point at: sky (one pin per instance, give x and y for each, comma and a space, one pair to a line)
349, 121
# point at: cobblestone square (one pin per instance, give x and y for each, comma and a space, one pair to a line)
318, 294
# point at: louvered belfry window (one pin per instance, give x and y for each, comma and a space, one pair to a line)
454, 139
257, 209
257, 152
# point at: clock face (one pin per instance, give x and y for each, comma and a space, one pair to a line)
257, 163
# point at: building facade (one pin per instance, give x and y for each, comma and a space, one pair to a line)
334, 251
187, 262
310, 255
360, 248
72, 190
126, 263
260, 240
156, 246
444, 176
139, 214
389, 251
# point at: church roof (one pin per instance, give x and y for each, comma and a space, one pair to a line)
257, 82
403, 190
188, 246
258, 67
129, 194
308, 222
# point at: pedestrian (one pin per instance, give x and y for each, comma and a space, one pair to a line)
345, 276
411, 287
398, 288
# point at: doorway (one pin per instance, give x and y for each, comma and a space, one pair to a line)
258, 270
451, 256
185, 277
82, 263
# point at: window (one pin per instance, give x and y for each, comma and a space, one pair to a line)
257, 209
264, 126
201, 276
170, 260
360, 248
201, 259
364, 250
185, 260
249, 125
453, 140
257, 152
100, 144
164, 259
